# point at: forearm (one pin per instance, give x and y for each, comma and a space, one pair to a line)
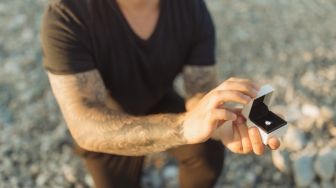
118, 133
97, 122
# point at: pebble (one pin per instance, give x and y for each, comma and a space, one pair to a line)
314, 185
303, 169
325, 164
293, 113
310, 110
327, 113
41, 180
281, 160
170, 172
68, 173
306, 124
294, 139
250, 178
327, 184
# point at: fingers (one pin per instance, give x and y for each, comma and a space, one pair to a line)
221, 115
255, 138
243, 85
235, 143
246, 88
244, 136
273, 143
243, 80
220, 96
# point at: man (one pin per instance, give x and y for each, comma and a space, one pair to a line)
111, 65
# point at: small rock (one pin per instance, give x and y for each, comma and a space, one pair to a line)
68, 173
277, 177
170, 176
310, 110
41, 180
314, 185
303, 169
332, 128
293, 113
170, 172
327, 184
325, 164
88, 180
281, 160
326, 113
155, 178
294, 139
250, 178
306, 124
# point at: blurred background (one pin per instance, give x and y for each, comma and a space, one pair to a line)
289, 44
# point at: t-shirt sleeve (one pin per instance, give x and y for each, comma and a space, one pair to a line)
65, 40
202, 50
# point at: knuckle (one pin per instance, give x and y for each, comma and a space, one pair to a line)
237, 146
212, 112
241, 97
216, 93
208, 117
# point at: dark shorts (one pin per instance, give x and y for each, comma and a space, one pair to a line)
199, 164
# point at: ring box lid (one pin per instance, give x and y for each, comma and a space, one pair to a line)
258, 112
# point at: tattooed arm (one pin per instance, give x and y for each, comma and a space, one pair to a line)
98, 124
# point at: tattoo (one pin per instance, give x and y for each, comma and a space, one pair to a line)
97, 123
199, 79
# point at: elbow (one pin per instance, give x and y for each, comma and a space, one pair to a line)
80, 135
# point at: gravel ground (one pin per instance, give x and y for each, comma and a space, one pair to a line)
289, 44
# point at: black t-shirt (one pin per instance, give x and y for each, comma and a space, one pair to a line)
81, 35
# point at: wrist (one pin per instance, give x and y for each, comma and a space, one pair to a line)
193, 101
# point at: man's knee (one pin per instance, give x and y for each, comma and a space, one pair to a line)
204, 165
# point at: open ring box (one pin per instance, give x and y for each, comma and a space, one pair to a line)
258, 114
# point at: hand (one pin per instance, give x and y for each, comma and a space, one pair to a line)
200, 122
238, 138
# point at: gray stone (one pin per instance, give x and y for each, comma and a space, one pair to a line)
170, 176
69, 173
327, 184
306, 124
292, 113
156, 180
281, 160
41, 179
294, 139
250, 178
303, 169
277, 177
325, 164
88, 180
170, 172
327, 113
310, 110
314, 185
